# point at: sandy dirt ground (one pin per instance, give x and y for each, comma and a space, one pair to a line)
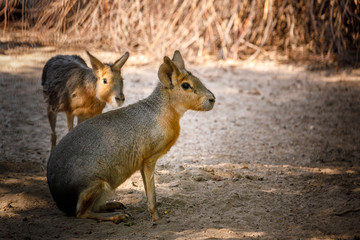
277, 158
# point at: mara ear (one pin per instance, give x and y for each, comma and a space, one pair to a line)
120, 62
96, 64
178, 60
166, 70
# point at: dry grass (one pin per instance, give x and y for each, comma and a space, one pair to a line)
323, 29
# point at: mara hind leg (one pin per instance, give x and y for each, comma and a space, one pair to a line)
91, 203
113, 206
52, 120
101, 205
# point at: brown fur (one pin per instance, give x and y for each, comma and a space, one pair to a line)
70, 86
170, 122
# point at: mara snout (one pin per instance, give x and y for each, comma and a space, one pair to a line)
70, 86
100, 154
209, 102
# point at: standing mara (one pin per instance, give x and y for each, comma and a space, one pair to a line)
70, 86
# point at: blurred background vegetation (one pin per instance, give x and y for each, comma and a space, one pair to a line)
321, 31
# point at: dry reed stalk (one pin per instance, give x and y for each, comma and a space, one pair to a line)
222, 28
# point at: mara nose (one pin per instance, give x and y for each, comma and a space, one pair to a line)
212, 98
120, 98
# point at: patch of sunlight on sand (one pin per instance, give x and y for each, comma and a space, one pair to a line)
223, 233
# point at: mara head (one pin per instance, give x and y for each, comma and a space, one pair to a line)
187, 92
109, 82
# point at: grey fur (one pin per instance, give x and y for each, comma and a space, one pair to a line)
61, 75
105, 141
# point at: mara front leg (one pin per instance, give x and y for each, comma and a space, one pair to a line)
52, 120
70, 120
147, 173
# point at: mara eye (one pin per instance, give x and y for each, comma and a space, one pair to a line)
104, 80
185, 86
